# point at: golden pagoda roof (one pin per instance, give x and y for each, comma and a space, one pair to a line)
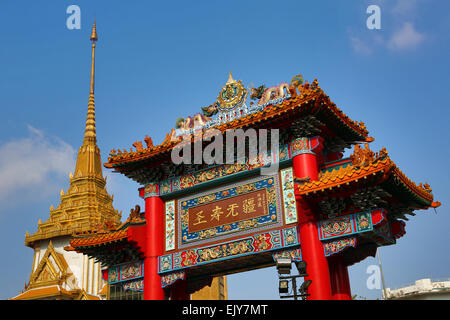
86, 203
309, 99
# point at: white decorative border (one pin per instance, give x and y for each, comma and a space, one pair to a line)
170, 225
289, 204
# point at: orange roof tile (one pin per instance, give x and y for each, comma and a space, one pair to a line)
119, 233
364, 164
99, 239
421, 190
334, 178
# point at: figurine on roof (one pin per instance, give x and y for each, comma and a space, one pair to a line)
297, 80
362, 157
275, 92
257, 92
196, 121
210, 110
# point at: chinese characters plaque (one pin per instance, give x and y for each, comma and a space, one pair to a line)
229, 211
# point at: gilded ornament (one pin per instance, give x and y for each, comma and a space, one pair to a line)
232, 95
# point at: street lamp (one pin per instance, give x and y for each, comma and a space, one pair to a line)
284, 266
301, 267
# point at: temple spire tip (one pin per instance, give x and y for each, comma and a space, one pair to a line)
90, 134
94, 33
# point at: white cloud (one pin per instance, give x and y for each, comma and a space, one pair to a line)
396, 39
405, 38
33, 165
405, 7
360, 46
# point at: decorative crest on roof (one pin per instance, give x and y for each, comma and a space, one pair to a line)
230, 105
232, 95
364, 157
135, 213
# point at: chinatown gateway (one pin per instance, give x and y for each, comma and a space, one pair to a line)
204, 218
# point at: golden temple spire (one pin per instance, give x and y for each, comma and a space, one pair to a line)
90, 136
86, 203
88, 160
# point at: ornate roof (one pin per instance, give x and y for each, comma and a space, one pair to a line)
105, 237
302, 100
99, 239
105, 233
366, 169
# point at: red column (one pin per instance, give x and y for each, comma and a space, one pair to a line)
340, 283
154, 216
305, 163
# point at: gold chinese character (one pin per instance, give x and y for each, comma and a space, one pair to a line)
248, 205
216, 213
231, 210
199, 218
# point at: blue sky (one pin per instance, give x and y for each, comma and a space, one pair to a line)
159, 61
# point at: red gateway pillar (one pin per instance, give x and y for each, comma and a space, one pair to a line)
340, 283
153, 237
154, 216
305, 153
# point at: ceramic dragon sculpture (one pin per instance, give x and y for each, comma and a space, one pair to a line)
266, 94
